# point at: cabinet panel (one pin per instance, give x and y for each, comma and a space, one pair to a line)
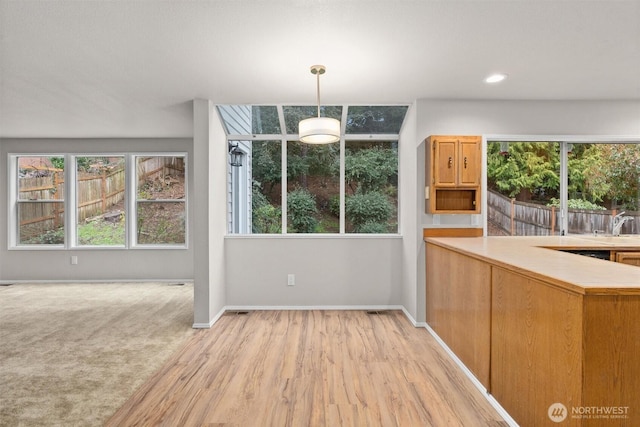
445, 163
469, 161
536, 348
631, 258
458, 298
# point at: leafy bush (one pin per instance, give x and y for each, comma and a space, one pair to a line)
371, 169
301, 206
334, 205
266, 219
265, 216
371, 207
577, 204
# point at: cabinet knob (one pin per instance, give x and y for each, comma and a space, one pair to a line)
450, 162
465, 162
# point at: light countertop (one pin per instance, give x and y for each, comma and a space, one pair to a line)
532, 256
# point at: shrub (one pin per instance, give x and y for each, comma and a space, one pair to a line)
334, 205
371, 207
266, 219
301, 206
577, 204
265, 216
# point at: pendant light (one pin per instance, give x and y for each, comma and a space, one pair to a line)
319, 130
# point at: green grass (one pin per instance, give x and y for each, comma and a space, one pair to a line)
101, 233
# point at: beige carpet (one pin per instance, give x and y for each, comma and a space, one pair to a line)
71, 354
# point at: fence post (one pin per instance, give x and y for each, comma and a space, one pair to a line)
56, 196
553, 220
513, 214
103, 188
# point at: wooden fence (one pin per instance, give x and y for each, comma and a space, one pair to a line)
508, 217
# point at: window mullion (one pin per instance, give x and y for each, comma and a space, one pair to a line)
283, 182
71, 201
342, 186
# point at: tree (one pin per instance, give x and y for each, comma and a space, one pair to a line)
621, 169
370, 169
532, 166
265, 165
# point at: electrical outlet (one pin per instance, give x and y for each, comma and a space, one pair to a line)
74, 260
291, 280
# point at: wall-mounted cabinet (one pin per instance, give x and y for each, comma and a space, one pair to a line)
453, 165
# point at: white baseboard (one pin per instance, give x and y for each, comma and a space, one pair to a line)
292, 307
74, 281
492, 401
210, 324
311, 307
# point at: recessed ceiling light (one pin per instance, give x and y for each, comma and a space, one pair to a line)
495, 78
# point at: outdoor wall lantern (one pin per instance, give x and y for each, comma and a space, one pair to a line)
235, 155
319, 130
504, 148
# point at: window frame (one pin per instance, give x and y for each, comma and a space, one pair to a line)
132, 217
70, 202
564, 141
13, 216
284, 138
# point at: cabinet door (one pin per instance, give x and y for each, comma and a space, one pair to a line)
444, 163
631, 258
469, 160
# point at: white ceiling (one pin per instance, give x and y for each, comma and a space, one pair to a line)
131, 68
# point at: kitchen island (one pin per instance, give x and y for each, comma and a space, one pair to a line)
541, 326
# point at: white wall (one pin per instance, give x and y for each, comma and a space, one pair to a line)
411, 166
209, 201
359, 271
528, 117
93, 264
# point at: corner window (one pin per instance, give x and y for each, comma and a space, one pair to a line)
288, 187
40, 200
313, 188
371, 176
266, 190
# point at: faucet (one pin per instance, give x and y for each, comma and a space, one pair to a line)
618, 221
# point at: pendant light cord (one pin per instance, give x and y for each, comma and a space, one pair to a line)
318, 91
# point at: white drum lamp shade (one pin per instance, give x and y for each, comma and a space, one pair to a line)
319, 130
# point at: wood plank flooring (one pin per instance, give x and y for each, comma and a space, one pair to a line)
309, 368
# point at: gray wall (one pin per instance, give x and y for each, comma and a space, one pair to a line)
93, 264
359, 271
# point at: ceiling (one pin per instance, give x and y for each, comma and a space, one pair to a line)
131, 68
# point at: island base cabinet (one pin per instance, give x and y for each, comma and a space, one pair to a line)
550, 345
536, 348
458, 307
612, 358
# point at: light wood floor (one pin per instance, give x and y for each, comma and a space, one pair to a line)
309, 368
